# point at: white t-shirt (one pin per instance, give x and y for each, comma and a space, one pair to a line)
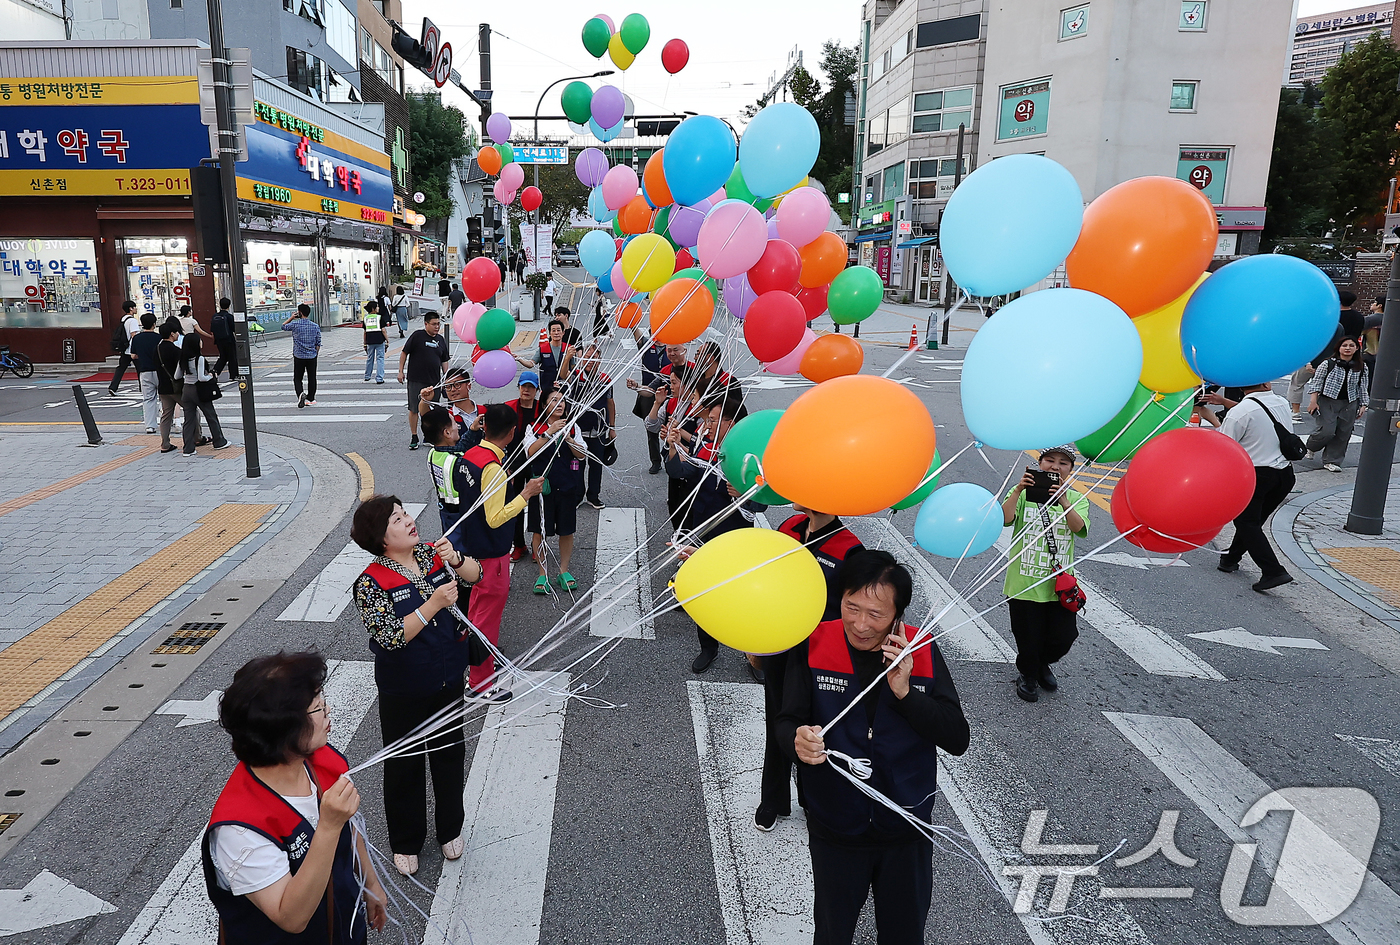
131, 326
187, 324
551, 289
1248, 424
246, 861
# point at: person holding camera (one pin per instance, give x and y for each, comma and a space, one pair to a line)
1047, 515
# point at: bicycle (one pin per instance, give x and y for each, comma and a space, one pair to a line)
15, 362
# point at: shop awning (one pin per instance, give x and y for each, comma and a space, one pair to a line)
881, 235
917, 241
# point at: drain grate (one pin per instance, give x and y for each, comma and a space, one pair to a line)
189, 638
7, 821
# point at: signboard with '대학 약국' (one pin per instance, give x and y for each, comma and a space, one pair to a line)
1024, 109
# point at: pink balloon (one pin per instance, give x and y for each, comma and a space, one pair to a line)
619, 187
499, 190
495, 369
717, 196
789, 363
608, 20
732, 239
619, 284
464, 321
802, 216
513, 175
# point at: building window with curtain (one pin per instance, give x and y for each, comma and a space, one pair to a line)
942, 110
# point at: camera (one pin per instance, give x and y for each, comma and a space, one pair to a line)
1046, 483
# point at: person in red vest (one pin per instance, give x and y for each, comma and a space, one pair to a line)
280, 863
857, 843
826, 537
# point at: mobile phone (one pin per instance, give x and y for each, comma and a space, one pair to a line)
1045, 484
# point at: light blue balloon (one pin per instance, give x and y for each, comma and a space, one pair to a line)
961, 519
596, 251
605, 280
1258, 319
1010, 223
778, 149
605, 134
1049, 368
597, 208
698, 158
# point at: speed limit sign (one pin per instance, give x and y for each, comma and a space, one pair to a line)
442, 66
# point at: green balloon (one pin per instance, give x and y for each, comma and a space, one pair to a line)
854, 295
595, 37
661, 226
736, 188
506, 152
1170, 413
928, 484
577, 100
495, 329
695, 272
635, 32
741, 453
617, 227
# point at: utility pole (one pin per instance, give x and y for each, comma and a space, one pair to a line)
228, 179
1367, 515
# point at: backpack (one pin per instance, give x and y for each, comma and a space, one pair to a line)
1290, 444
120, 341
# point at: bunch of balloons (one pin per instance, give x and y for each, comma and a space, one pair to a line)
622, 44
1180, 490
499, 159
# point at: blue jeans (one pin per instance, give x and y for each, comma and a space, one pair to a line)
374, 355
401, 315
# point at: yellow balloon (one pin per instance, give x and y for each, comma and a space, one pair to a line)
622, 57
1163, 367
754, 589
648, 262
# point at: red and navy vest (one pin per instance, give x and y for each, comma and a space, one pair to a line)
905, 766
478, 539
830, 550
247, 802
559, 464
550, 362
437, 656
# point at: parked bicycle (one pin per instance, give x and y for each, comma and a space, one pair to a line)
14, 361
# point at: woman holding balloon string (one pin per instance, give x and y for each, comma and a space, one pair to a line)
561, 461
553, 357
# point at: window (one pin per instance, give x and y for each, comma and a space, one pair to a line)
177, 4
958, 29
307, 74
876, 138
893, 181
306, 9
366, 46
49, 283
110, 10
877, 68
1184, 96
340, 30
932, 178
1193, 16
898, 126
341, 91
943, 110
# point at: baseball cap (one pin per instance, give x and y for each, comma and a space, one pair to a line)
1066, 451
531, 378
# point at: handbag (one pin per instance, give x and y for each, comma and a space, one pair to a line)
1067, 587
645, 398
1290, 444
205, 386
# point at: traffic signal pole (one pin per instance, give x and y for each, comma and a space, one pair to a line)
1367, 516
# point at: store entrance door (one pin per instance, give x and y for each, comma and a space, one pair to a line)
157, 273
928, 273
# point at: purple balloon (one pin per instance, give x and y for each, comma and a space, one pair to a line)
498, 127
591, 166
495, 369
773, 229
685, 223
607, 106
738, 296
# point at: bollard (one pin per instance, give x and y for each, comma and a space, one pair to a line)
93, 434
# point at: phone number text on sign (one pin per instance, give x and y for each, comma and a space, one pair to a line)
178, 185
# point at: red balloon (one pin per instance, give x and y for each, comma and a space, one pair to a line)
1188, 482
530, 199
777, 269
1145, 538
674, 55
813, 301
477, 352
620, 243
683, 259
480, 279
774, 325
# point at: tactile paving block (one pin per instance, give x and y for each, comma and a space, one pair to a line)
1377, 565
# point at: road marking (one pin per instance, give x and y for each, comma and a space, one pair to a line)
38, 495
1152, 649
324, 404
623, 608
180, 911
495, 892
1382, 751
194, 712
765, 879
1242, 638
1225, 790
311, 418
319, 374
366, 475
328, 594
44, 901
1126, 559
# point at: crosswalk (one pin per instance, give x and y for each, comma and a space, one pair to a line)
327, 595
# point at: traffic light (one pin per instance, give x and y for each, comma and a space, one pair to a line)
207, 199
410, 49
473, 237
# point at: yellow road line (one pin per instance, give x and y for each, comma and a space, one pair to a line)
366, 475
38, 495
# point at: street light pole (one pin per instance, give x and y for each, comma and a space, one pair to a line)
1367, 515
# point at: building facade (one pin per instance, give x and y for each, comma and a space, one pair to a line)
1319, 41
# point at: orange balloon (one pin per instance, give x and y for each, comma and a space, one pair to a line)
681, 311
489, 160
1144, 242
654, 180
635, 216
828, 457
832, 356
628, 314
822, 260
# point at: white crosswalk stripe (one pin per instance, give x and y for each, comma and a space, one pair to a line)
1382, 751
623, 607
234, 420
328, 594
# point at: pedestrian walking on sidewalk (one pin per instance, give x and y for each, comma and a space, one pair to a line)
221, 327
129, 327
444, 292
424, 356
551, 289
169, 378
401, 310
143, 350
306, 346
197, 396
1337, 397
376, 344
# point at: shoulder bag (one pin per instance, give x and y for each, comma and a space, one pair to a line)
1290, 444
1067, 587
205, 384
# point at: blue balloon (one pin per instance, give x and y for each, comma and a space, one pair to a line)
596, 252
597, 208
698, 158
1049, 368
1022, 200
778, 149
961, 519
605, 282
605, 134
1258, 319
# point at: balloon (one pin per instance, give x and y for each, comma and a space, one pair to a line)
827, 456
1019, 200
628, 314
1163, 366
698, 158
732, 239
813, 301
607, 105
634, 33
778, 148
684, 223
680, 312
1014, 370
774, 325
822, 260
661, 221
1143, 417
741, 455
498, 126
530, 199
854, 295
684, 260
789, 363
654, 177
596, 34
754, 589
777, 269
576, 100
1145, 538
1143, 243
597, 208
832, 356
635, 217
480, 279
604, 134
595, 252
698, 274
590, 167
506, 152
803, 216
513, 175
927, 484
619, 284
605, 282
621, 56
495, 328
772, 226
495, 369
618, 245
674, 55
503, 194
648, 262
736, 189
464, 321
961, 519
488, 160
1188, 481
1257, 319
612, 27
619, 186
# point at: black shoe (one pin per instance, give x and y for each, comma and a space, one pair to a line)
413, 442
655, 468
1228, 566
596, 503
301, 400
765, 817
111, 393
755, 672
1278, 580
499, 694
1027, 689
1048, 681
203, 441
703, 660
169, 449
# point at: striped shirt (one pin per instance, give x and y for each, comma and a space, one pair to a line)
1330, 378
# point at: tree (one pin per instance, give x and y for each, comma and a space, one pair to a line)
1300, 192
1361, 108
806, 89
562, 193
440, 137
840, 64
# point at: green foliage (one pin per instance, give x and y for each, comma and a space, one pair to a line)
569, 237
1300, 190
440, 137
562, 195
536, 281
1361, 107
805, 88
840, 64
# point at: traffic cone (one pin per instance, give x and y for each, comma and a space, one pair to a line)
1195, 420
913, 337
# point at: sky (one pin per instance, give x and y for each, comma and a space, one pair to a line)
1315, 7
